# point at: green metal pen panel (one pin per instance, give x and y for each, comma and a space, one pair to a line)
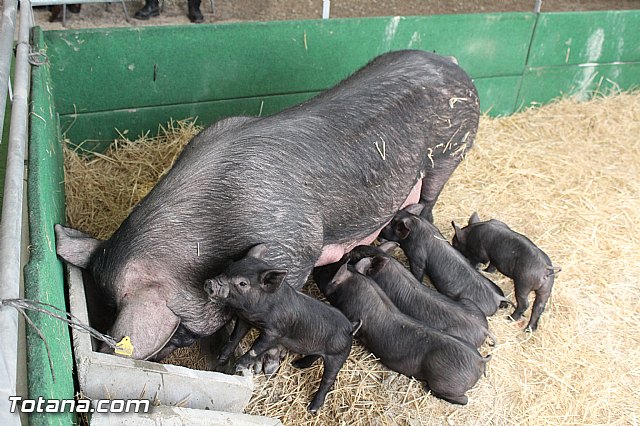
101, 124
541, 85
586, 37
153, 66
581, 54
43, 274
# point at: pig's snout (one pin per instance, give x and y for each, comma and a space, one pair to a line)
216, 289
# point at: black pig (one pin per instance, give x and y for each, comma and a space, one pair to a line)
312, 181
515, 256
447, 365
424, 304
448, 270
285, 317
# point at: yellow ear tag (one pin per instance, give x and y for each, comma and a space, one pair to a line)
124, 347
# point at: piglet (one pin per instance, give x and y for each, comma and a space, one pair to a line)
448, 270
425, 304
515, 256
448, 366
256, 293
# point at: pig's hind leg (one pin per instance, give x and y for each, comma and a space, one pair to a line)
332, 365
542, 295
435, 177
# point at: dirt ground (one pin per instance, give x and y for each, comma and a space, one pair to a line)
175, 11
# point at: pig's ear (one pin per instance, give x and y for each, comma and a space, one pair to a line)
388, 246
363, 265
75, 247
342, 275
474, 218
272, 279
257, 251
414, 209
378, 263
461, 235
403, 227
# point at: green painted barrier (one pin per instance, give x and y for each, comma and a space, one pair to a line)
43, 274
179, 72
101, 82
581, 53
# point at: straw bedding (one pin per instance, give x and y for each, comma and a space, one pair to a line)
567, 176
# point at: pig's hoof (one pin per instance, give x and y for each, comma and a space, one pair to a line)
270, 367
246, 363
515, 316
315, 405
243, 370
460, 400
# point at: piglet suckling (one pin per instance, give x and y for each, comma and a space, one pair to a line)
448, 366
515, 256
415, 299
448, 270
255, 291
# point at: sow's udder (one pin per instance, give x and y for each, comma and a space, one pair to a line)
332, 253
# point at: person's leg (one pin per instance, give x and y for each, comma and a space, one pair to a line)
195, 15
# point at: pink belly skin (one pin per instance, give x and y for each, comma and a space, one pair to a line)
333, 252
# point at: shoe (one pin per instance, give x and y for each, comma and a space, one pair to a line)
150, 9
194, 14
56, 14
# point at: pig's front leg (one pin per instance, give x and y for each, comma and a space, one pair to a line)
417, 267
542, 295
240, 330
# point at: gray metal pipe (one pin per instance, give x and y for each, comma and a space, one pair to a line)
537, 6
11, 223
7, 31
326, 7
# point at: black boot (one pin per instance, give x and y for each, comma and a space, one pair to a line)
195, 15
150, 9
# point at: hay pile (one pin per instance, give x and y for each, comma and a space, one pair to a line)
567, 176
